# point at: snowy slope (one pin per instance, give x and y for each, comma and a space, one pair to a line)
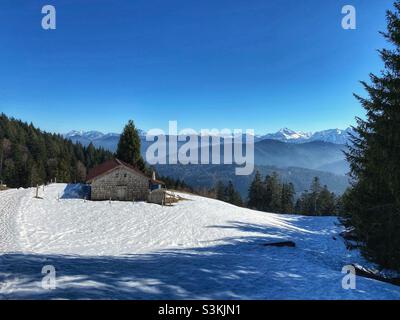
198, 249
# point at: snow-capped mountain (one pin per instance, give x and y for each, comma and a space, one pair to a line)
287, 135
89, 135
286, 148
110, 140
336, 136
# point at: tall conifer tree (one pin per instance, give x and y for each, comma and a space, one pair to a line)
374, 201
129, 147
255, 197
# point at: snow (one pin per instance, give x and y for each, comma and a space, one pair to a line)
89, 135
335, 136
288, 135
197, 249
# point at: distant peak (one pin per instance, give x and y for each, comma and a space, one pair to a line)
74, 133
337, 136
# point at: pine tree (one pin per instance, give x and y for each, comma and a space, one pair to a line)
79, 172
318, 201
220, 191
232, 195
34, 176
29, 156
255, 196
266, 195
298, 208
129, 147
326, 202
287, 202
313, 200
91, 155
374, 201
273, 198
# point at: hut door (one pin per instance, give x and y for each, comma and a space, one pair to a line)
121, 193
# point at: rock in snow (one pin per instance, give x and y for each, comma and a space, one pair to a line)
289, 244
197, 249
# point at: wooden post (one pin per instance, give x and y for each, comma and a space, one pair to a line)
37, 191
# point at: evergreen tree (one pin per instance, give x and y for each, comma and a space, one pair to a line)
326, 202
374, 201
313, 197
287, 202
341, 206
228, 193
298, 208
79, 171
129, 147
255, 196
220, 191
232, 195
34, 176
273, 194
177, 184
318, 201
29, 156
91, 155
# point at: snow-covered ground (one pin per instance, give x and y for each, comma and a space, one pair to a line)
197, 249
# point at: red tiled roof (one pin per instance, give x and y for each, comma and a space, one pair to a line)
102, 168
111, 165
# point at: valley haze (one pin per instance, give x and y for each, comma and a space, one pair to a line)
336, 136
297, 156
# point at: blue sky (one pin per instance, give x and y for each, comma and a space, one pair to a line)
207, 64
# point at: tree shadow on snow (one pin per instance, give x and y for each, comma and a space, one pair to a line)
238, 268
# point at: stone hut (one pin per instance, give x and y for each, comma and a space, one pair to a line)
117, 180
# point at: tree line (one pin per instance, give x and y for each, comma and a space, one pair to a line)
270, 194
29, 156
176, 184
228, 193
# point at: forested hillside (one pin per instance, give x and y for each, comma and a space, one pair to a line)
29, 156
207, 176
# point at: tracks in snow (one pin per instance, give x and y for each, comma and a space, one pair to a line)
10, 201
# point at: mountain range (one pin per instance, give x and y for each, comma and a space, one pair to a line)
336, 136
110, 140
296, 156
